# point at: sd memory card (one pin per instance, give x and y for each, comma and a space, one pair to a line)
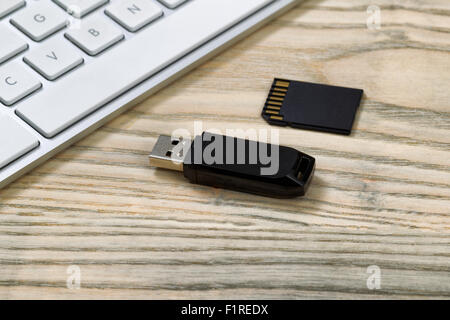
312, 106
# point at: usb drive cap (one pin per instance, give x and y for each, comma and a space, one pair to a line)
238, 164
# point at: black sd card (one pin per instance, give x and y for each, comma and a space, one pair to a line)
312, 106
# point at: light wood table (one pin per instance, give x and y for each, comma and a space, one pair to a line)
380, 197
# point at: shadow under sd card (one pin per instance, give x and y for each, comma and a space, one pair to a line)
312, 106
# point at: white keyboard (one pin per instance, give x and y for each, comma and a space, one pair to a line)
68, 65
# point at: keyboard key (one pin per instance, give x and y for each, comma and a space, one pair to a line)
172, 3
40, 20
80, 8
134, 14
95, 35
12, 44
54, 58
16, 83
14, 139
8, 6
124, 67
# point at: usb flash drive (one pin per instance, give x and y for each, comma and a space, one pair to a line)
236, 164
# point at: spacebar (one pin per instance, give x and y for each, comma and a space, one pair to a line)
133, 61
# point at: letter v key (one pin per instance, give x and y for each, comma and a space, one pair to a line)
54, 58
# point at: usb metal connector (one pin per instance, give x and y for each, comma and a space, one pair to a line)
166, 153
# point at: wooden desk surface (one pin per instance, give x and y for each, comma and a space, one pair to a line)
380, 196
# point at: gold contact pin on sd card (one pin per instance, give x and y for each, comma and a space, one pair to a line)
312, 106
275, 100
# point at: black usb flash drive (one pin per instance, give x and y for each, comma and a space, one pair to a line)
237, 164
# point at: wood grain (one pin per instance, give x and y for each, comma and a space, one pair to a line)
380, 196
